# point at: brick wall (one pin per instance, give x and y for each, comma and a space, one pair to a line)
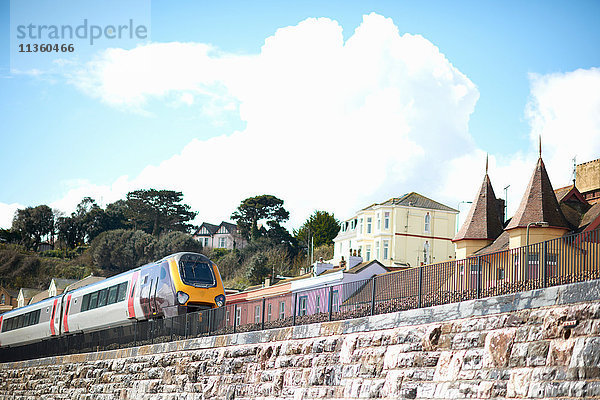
539, 344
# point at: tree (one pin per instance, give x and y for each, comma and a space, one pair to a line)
119, 250
155, 211
321, 226
32, 224
254, 209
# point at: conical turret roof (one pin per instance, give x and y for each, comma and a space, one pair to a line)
483, 220
539, 202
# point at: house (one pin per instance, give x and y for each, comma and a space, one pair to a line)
553, 238
223, 236
25, 295
8, 299
406, 231
58, 286
543, 214
312, 291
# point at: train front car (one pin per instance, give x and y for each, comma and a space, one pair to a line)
180, 283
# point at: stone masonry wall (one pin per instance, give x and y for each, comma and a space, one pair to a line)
539, 344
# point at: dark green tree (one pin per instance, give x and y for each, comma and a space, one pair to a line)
321, 226
157, 211
266, 208
119, 250
32, 224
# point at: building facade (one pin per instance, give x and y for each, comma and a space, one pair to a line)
402, 232
223, 236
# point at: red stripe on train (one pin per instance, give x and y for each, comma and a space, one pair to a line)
65, 322
52, 330
130, 306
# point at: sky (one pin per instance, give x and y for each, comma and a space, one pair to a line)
327, 105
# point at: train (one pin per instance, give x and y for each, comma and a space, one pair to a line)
174, 285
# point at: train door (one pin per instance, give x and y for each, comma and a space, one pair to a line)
148, 289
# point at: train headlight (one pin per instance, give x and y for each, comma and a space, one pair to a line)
220, 300
182, 297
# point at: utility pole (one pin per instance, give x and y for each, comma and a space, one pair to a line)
506, 203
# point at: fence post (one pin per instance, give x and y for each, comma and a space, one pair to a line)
420, 299
186, 325
330, 303
479, 270
545, 265
295, 306
373, 296
235, 318
263, 314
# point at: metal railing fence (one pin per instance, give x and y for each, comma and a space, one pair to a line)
568, 259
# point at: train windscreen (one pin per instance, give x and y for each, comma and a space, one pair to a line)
196, 271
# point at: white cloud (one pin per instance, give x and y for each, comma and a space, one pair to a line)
7, 213
330, 124
565, 110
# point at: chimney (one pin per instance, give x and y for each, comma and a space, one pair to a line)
267, 282
353, 261
320, 267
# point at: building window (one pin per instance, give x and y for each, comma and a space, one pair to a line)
335, 301
238, 316
369, 220
3, 299
360, 226
377, 250
318, 304
386, 245
282, 310
368, 252
269, 313
386, 220
205, 242
222, 242
227, 316
302, 305
257, 314
427, 223
378, 222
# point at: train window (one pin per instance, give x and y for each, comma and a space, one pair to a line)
122, 291
93, 301
26, 318
85, 303
195, 272
20, 321
112, 294
102, 297
36, 318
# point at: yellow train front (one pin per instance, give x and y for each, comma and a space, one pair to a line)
180, 283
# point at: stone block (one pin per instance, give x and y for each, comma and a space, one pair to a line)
498, 346
518, 384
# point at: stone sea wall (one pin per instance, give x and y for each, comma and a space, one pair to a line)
538, 344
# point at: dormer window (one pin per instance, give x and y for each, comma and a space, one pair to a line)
427, 223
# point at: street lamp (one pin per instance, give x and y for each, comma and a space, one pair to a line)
540, 224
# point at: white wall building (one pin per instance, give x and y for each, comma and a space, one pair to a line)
402, 232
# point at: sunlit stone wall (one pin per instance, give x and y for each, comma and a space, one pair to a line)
539, 344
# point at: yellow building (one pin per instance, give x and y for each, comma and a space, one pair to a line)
402, 232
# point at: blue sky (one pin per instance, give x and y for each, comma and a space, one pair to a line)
61, 138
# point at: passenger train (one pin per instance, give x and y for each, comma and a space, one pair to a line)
179, 283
